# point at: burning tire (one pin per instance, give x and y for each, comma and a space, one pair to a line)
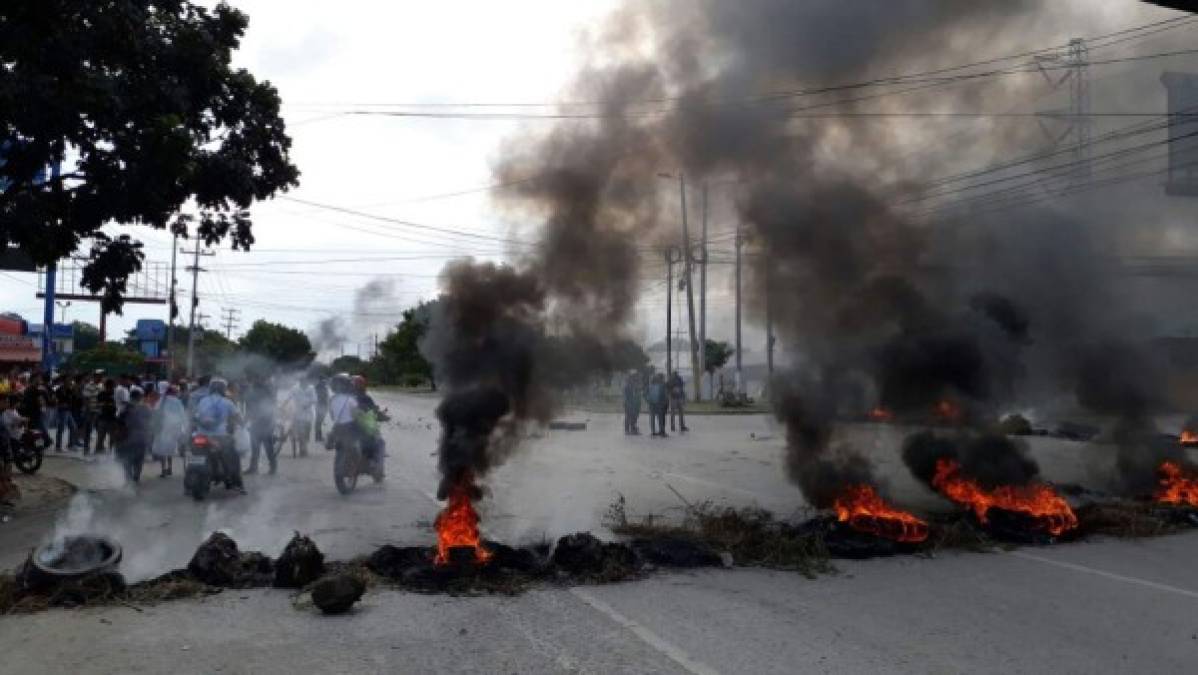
76, 556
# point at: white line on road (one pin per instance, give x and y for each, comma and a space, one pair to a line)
647, 636
708, 483
1109, 575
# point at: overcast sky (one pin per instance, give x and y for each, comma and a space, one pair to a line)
326, 58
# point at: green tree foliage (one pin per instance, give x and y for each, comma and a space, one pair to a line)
400, 360
283, 344
348, 364
139, 104
716, 354
113, 357
87, 336
212, 349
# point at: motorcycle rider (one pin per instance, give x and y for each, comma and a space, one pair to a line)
343, 407
215, 417
372, 442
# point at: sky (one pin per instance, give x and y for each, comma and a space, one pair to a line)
310, 263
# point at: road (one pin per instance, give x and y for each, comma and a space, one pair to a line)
1109, 606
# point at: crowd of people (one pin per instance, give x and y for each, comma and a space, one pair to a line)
137, 419
662, 396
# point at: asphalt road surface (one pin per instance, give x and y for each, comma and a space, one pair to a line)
1108, 606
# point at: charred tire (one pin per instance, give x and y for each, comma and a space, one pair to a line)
345, 471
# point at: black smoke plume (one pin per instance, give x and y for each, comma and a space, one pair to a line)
990, 459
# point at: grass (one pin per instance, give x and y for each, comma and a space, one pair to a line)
753, 537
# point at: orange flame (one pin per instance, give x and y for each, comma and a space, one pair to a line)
1188, 437
1036, 500
864, 510
880, 414
1176, 487
457, 526
948, 411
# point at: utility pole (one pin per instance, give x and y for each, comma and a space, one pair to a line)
769, 327
672, 256
690, 292
195, 270
703, 292
173, 309
739, 376
230, 318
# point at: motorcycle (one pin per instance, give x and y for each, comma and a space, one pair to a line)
206, 463
28, 452
352, 460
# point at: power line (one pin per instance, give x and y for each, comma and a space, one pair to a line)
1158, 26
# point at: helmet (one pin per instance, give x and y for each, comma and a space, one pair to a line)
340, 383
359, 382
218, 385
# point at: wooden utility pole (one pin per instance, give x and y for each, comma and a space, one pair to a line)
739, 374
703, 293
688, 259
672, 255
172, 310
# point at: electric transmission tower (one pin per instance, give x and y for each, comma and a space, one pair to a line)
230, 317
1075, 62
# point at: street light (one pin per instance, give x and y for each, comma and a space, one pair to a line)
62, 306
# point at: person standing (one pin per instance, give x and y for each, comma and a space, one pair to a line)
64, 417
35, 399
260, 402
170, 426
138, 421
322, 406
658, 398
91, 408
303, 402
121, 394
106, 417
677, 389
632, 403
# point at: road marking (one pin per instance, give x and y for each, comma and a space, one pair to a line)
1109, 575
647, 636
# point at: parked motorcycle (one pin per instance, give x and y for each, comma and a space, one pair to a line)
207, 462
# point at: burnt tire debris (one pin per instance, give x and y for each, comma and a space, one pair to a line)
709, 538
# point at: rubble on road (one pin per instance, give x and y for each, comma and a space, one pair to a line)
337, 593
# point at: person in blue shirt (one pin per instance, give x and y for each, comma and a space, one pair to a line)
215, 417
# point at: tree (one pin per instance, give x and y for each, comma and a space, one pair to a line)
715, 355
283, 344
136, 106
400, 353
86, 337
348, 364
112, 357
